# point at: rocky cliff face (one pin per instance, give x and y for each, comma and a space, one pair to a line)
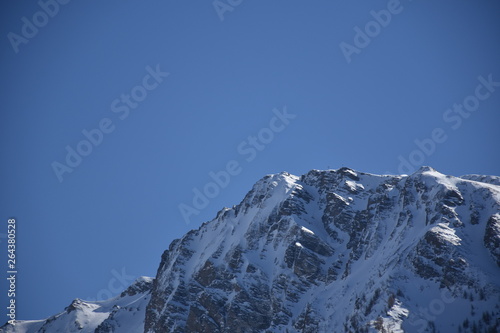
339, 251
329, 251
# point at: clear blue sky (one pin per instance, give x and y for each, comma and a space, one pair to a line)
118, 209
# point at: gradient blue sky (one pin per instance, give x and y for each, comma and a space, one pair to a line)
119, 209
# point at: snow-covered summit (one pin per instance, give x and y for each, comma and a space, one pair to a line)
329, 251
337, 251
124, 313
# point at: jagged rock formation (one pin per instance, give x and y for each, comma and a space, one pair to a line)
338, 251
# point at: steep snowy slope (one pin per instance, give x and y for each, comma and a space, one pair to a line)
339, 251
121, 314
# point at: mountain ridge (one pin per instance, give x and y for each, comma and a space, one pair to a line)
338, 251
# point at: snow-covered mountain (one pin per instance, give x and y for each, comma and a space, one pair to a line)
329, 251
121, 314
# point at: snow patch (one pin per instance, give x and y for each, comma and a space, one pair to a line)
307, 230
353, 186
447, 233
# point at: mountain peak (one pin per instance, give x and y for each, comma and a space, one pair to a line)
302, 253
425, 168
332, 250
